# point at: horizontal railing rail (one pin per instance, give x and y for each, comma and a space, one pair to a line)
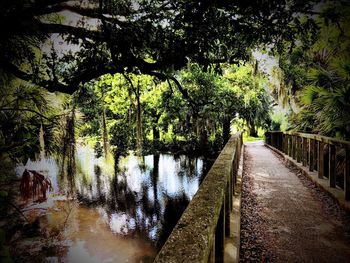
199, 235
328, 156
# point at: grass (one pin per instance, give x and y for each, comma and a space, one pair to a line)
251, 139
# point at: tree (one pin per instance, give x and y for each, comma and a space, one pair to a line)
24, 110
252, 96
317, 73
148, 37
156, 101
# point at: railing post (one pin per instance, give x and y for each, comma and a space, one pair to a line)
236, 160
332, 152
298, 149
294, 148
211, 258
220, 236
326, 160
279, 141
276, 140
320, 160
317, 156
305, 151
347, 175
311, 155
285, 143
289, 145
228, 207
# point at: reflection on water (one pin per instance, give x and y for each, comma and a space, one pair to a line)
89, 239
126, 211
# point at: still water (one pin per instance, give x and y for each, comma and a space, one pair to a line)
124, 210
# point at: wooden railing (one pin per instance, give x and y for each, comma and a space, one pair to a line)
199, 236
328, 156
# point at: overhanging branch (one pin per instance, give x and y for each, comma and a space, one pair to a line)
71, 30
93, 13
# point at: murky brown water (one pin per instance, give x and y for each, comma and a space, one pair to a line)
124, 212
88, 237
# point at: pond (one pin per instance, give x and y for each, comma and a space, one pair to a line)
124, 210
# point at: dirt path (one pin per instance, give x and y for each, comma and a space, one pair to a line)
285, 218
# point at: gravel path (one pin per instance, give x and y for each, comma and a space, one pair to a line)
285, 217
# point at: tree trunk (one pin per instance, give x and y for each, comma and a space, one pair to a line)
136, 91
226, 129
42, 142
105, 133
155, 176
138, 125
252, 131
68, 150
156, 136
202, 135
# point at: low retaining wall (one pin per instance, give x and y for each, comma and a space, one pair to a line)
326, 161
200, 234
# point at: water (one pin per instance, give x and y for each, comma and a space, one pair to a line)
123, 212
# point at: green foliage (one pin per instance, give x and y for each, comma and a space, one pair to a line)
253, 101
152, 70
190, 112
149, 37
23, 110
317, 73
326, 110
252, 139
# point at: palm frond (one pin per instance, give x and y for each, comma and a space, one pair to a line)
309, 94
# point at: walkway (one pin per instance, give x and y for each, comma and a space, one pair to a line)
285, 218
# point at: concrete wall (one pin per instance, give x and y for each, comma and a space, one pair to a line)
199, 236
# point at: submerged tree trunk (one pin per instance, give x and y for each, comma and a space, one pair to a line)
71, 150
68, 150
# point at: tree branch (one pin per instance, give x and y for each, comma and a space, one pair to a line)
131, 84
76, 31
184, 92
93, 13
49, 85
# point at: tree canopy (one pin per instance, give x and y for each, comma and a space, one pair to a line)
148, 37
315, 74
